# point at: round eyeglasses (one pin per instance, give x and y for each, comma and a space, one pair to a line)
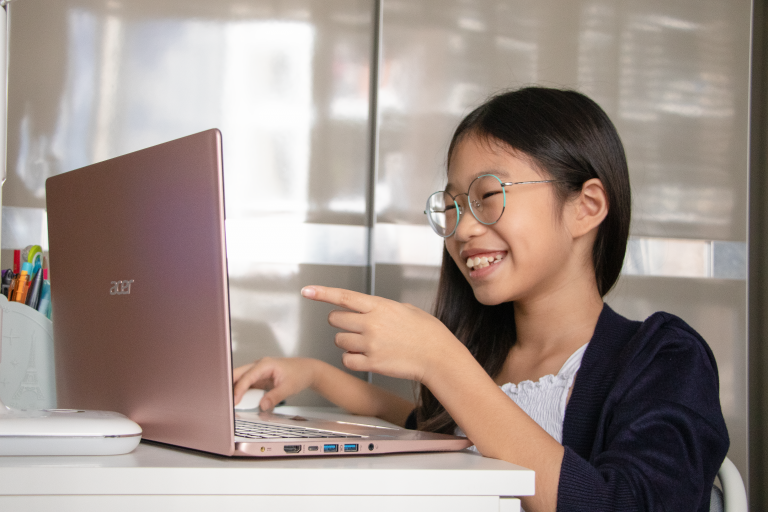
487, 201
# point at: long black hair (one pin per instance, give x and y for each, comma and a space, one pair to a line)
568, 138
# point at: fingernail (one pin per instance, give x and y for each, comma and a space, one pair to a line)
308, 292
265, 405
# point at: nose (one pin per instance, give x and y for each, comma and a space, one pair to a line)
468, 226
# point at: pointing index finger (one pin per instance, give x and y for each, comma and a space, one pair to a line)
348, 299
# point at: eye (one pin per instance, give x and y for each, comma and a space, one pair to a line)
449, 207
489, 194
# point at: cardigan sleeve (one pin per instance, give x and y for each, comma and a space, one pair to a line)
661, 436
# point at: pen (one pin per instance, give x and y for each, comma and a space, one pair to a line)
35, 288
12, 286
45, 299
37, 263
20, 292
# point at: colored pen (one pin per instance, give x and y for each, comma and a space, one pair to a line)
12, 286
20, 292
44, 305
37, 263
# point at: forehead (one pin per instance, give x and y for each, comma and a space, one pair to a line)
475, 156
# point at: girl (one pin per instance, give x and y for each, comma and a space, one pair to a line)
523, 356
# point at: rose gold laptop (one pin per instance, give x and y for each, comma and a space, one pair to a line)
141, 310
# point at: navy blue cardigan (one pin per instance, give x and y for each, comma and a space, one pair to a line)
643, 429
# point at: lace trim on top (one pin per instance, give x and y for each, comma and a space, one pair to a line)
544, 401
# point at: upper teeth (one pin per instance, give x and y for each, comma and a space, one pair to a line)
481, 262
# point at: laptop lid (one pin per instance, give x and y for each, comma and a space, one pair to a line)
141, 309
140, 294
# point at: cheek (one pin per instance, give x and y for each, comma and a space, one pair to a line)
544, 248
532, 235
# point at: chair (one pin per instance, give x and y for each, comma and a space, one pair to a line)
734, 496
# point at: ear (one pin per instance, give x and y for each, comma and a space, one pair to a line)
589, 208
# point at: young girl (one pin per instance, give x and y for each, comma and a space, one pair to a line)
523, 356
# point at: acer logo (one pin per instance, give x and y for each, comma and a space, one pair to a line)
120, 287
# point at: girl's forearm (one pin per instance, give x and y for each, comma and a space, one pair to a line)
495, 424
357, 396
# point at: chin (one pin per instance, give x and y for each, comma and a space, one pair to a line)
489, 299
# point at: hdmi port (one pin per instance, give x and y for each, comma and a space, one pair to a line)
292, 448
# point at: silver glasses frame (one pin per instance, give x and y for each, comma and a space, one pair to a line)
459, 210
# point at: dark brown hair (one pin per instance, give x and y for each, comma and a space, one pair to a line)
568, 138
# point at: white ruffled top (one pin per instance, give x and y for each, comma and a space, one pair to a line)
544, 401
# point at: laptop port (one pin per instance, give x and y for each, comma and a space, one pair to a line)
292, 448
350, 447
330, 448
312, 448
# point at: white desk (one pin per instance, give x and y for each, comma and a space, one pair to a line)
156, 477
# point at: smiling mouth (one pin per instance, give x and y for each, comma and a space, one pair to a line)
483, 261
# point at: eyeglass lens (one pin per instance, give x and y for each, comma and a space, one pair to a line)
485, 198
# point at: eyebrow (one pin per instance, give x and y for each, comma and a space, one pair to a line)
502, 175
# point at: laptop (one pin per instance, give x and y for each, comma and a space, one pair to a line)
140, 300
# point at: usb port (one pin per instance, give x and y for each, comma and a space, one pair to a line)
330, 448
350, 447
312, 448
292, 448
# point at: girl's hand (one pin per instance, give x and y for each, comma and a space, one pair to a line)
386, 337
281, 378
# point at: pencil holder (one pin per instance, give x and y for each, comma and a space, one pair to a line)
27, 378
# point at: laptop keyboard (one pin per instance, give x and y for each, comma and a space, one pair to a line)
258, 430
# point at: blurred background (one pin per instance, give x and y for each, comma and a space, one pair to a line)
336, 117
